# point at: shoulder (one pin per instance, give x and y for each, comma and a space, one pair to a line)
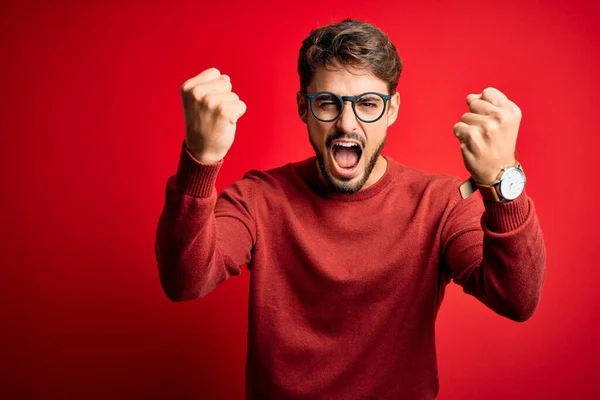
280, 174
275, 180
437, 192
418, 181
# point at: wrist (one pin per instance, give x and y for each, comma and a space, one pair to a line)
509, 185
492, 175
203, 157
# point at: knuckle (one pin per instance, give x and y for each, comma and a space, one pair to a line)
498, 116
187, 87
205, 100
487, 91
221, 109
472, 131
517, 111
457, 129
488, 125
199, 95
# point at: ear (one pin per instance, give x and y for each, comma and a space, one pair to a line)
302, 106
393, 107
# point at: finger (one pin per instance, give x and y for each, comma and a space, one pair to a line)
219, 85
230, 112
482, 107
488, 125
207, 75
461, 131
494, 96
469, 136
485, 124
470, 118
237, 109
471, 97
469, 144
214, 99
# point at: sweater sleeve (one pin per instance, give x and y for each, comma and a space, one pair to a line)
496, 252
202, 239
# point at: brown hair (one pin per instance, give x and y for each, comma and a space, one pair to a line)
349, 43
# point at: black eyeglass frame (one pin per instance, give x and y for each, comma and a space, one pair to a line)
343, 100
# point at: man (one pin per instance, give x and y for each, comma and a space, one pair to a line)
349, 251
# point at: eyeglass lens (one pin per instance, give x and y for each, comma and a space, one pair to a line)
328, 107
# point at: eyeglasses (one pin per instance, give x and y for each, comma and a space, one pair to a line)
327, 107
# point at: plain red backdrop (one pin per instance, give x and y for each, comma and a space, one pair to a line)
91, 126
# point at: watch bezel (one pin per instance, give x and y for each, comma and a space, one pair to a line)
510, 170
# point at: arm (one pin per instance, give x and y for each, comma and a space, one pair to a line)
200, 240
498, 257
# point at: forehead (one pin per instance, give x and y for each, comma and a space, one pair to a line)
346, 81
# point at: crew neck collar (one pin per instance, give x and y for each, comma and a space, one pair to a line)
322, 189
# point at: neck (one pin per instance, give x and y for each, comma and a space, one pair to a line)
377, 173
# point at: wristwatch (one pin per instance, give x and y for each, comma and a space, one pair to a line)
508, 186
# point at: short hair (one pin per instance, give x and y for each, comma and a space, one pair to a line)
349, 43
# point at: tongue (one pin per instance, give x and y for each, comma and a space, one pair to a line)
346, 157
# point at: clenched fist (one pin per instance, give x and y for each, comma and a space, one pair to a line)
488, 134
211, 113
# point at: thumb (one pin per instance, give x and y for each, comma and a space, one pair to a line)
239, 109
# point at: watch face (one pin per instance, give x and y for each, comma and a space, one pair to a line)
512, 183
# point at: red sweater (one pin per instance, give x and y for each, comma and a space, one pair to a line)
345, 289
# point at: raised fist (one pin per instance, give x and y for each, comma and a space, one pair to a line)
488, 134
211, 113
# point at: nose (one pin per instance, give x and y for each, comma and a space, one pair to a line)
347, 122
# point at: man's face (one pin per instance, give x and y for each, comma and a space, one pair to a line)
348, 149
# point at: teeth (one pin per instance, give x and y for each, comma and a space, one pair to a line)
343, 144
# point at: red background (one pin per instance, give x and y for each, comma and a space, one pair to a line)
91, 126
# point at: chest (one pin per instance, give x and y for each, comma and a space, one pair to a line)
366, 250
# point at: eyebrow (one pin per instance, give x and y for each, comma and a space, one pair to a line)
360, 96
324, 96
369, 97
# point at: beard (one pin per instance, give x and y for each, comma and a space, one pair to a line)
341, 185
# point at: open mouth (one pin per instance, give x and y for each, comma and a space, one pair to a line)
346, 156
